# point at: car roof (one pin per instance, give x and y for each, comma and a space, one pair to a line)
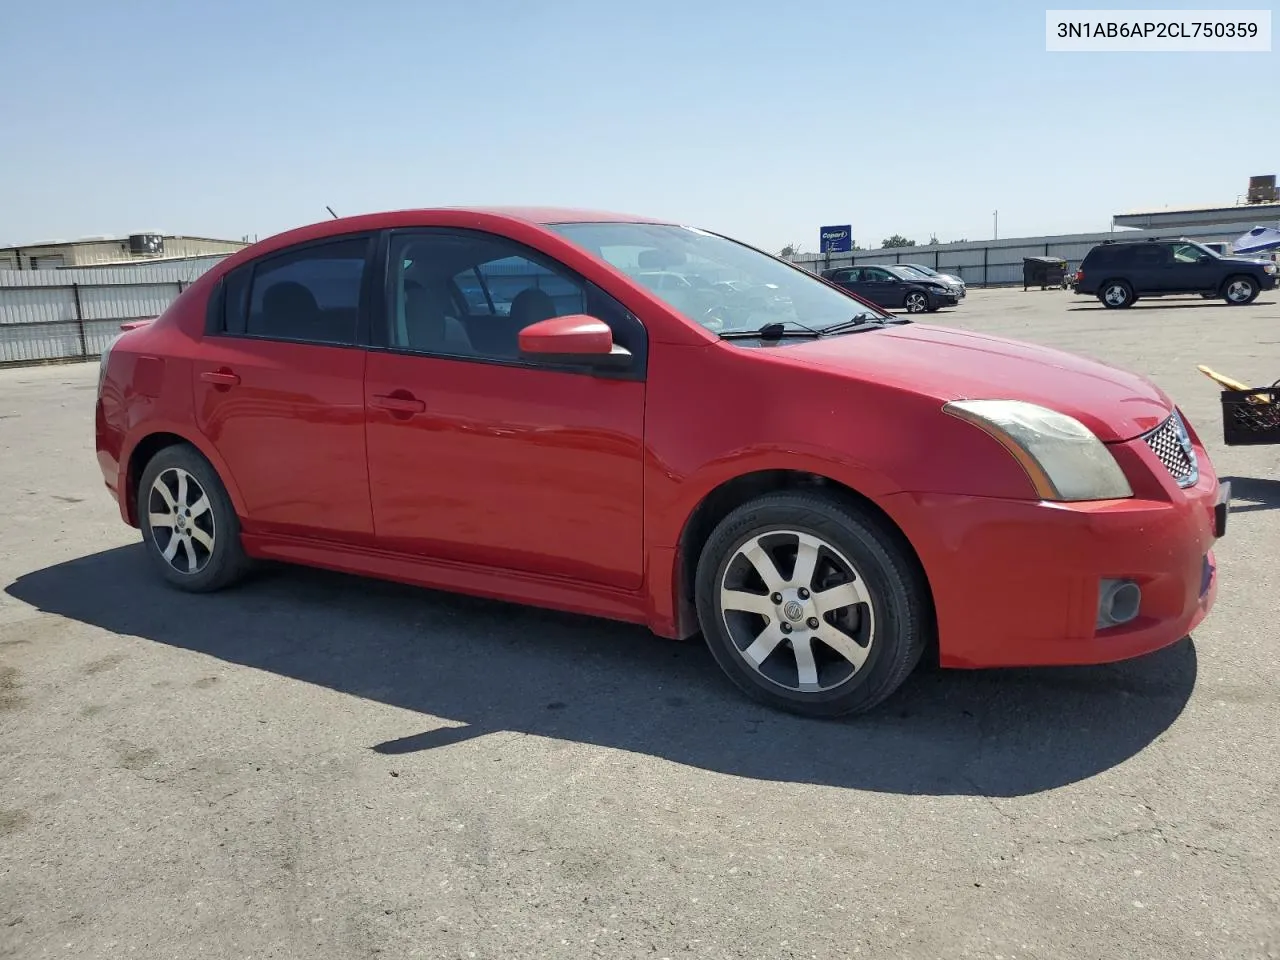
468, 216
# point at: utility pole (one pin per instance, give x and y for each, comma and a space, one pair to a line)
995, 229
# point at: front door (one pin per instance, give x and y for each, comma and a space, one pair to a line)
476, 456
1193, 269
279, 390
881, 287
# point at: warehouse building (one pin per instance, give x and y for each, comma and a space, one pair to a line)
95, 251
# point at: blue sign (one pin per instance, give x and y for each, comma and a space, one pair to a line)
838, 239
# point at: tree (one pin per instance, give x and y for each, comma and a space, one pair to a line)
897, 240
789, 251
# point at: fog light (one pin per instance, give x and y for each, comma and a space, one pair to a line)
1118, 602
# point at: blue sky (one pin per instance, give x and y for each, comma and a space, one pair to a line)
761, 119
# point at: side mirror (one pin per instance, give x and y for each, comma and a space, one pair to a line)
577, 340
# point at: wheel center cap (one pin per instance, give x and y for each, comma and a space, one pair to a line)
793, 610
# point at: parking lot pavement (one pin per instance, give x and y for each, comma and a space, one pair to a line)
316, 766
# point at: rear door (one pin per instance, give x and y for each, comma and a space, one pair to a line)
1150, 268
279, 388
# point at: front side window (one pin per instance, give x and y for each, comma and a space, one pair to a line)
308, 294
469, 294
764, 290
1190, 253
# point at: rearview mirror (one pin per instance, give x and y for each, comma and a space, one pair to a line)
577, 339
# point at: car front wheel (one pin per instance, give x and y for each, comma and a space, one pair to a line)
916, 302
188, 522
1240, 290
810, 605
1116, 294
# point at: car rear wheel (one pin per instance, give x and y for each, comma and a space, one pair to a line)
1116, 294
1238, 291
916, 302
810, 606
188, 522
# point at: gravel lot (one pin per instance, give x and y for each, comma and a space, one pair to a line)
316, 766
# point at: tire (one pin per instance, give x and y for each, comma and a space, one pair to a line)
209, 521
882, 626
1240, 290
916, 302
1116, 295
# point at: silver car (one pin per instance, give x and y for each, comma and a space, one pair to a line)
949, 279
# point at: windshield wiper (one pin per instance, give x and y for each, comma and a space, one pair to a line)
861, 321
771, 331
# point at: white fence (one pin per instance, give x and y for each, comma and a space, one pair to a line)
72, 314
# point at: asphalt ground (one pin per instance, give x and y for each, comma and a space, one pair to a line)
318, 766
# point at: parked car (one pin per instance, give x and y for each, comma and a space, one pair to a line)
1121, 272
894, 287
948, 278
827, 494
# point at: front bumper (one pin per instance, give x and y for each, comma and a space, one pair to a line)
1017, 582
943, 299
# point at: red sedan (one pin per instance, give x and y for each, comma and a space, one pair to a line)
648, 422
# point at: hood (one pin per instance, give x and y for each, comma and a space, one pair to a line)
951, 364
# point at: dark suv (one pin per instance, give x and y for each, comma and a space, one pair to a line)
1120, 272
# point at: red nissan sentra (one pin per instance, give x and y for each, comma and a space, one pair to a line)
648, 422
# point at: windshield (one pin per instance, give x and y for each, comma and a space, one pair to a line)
909, 273
718, 283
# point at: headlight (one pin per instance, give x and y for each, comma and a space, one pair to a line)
1062, 457
1269, 268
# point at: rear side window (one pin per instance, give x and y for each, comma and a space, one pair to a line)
1110, 256
310, 294
1151, 255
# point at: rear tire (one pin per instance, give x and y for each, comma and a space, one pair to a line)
810, 605
1116, 295
1241, 290
188, 522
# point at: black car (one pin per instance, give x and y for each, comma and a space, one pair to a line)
894, 287
1120, 272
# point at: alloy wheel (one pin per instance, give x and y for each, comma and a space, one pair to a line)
180, 518
809, 629
1116, 295
916, 303
1239, 291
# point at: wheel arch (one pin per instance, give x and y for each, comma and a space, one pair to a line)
1226, 282
156, 437
730, 494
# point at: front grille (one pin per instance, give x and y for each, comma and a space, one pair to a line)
1171, 444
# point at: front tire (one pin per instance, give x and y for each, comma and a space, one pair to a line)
916, 302
1239, 291
188, 522
810, 605
1116, 295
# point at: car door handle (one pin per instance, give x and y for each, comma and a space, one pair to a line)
220, 378
398, 403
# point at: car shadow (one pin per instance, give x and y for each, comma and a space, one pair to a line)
1198, 304
1253, 493
498, 667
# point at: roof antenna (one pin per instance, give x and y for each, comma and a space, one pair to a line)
331, 213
